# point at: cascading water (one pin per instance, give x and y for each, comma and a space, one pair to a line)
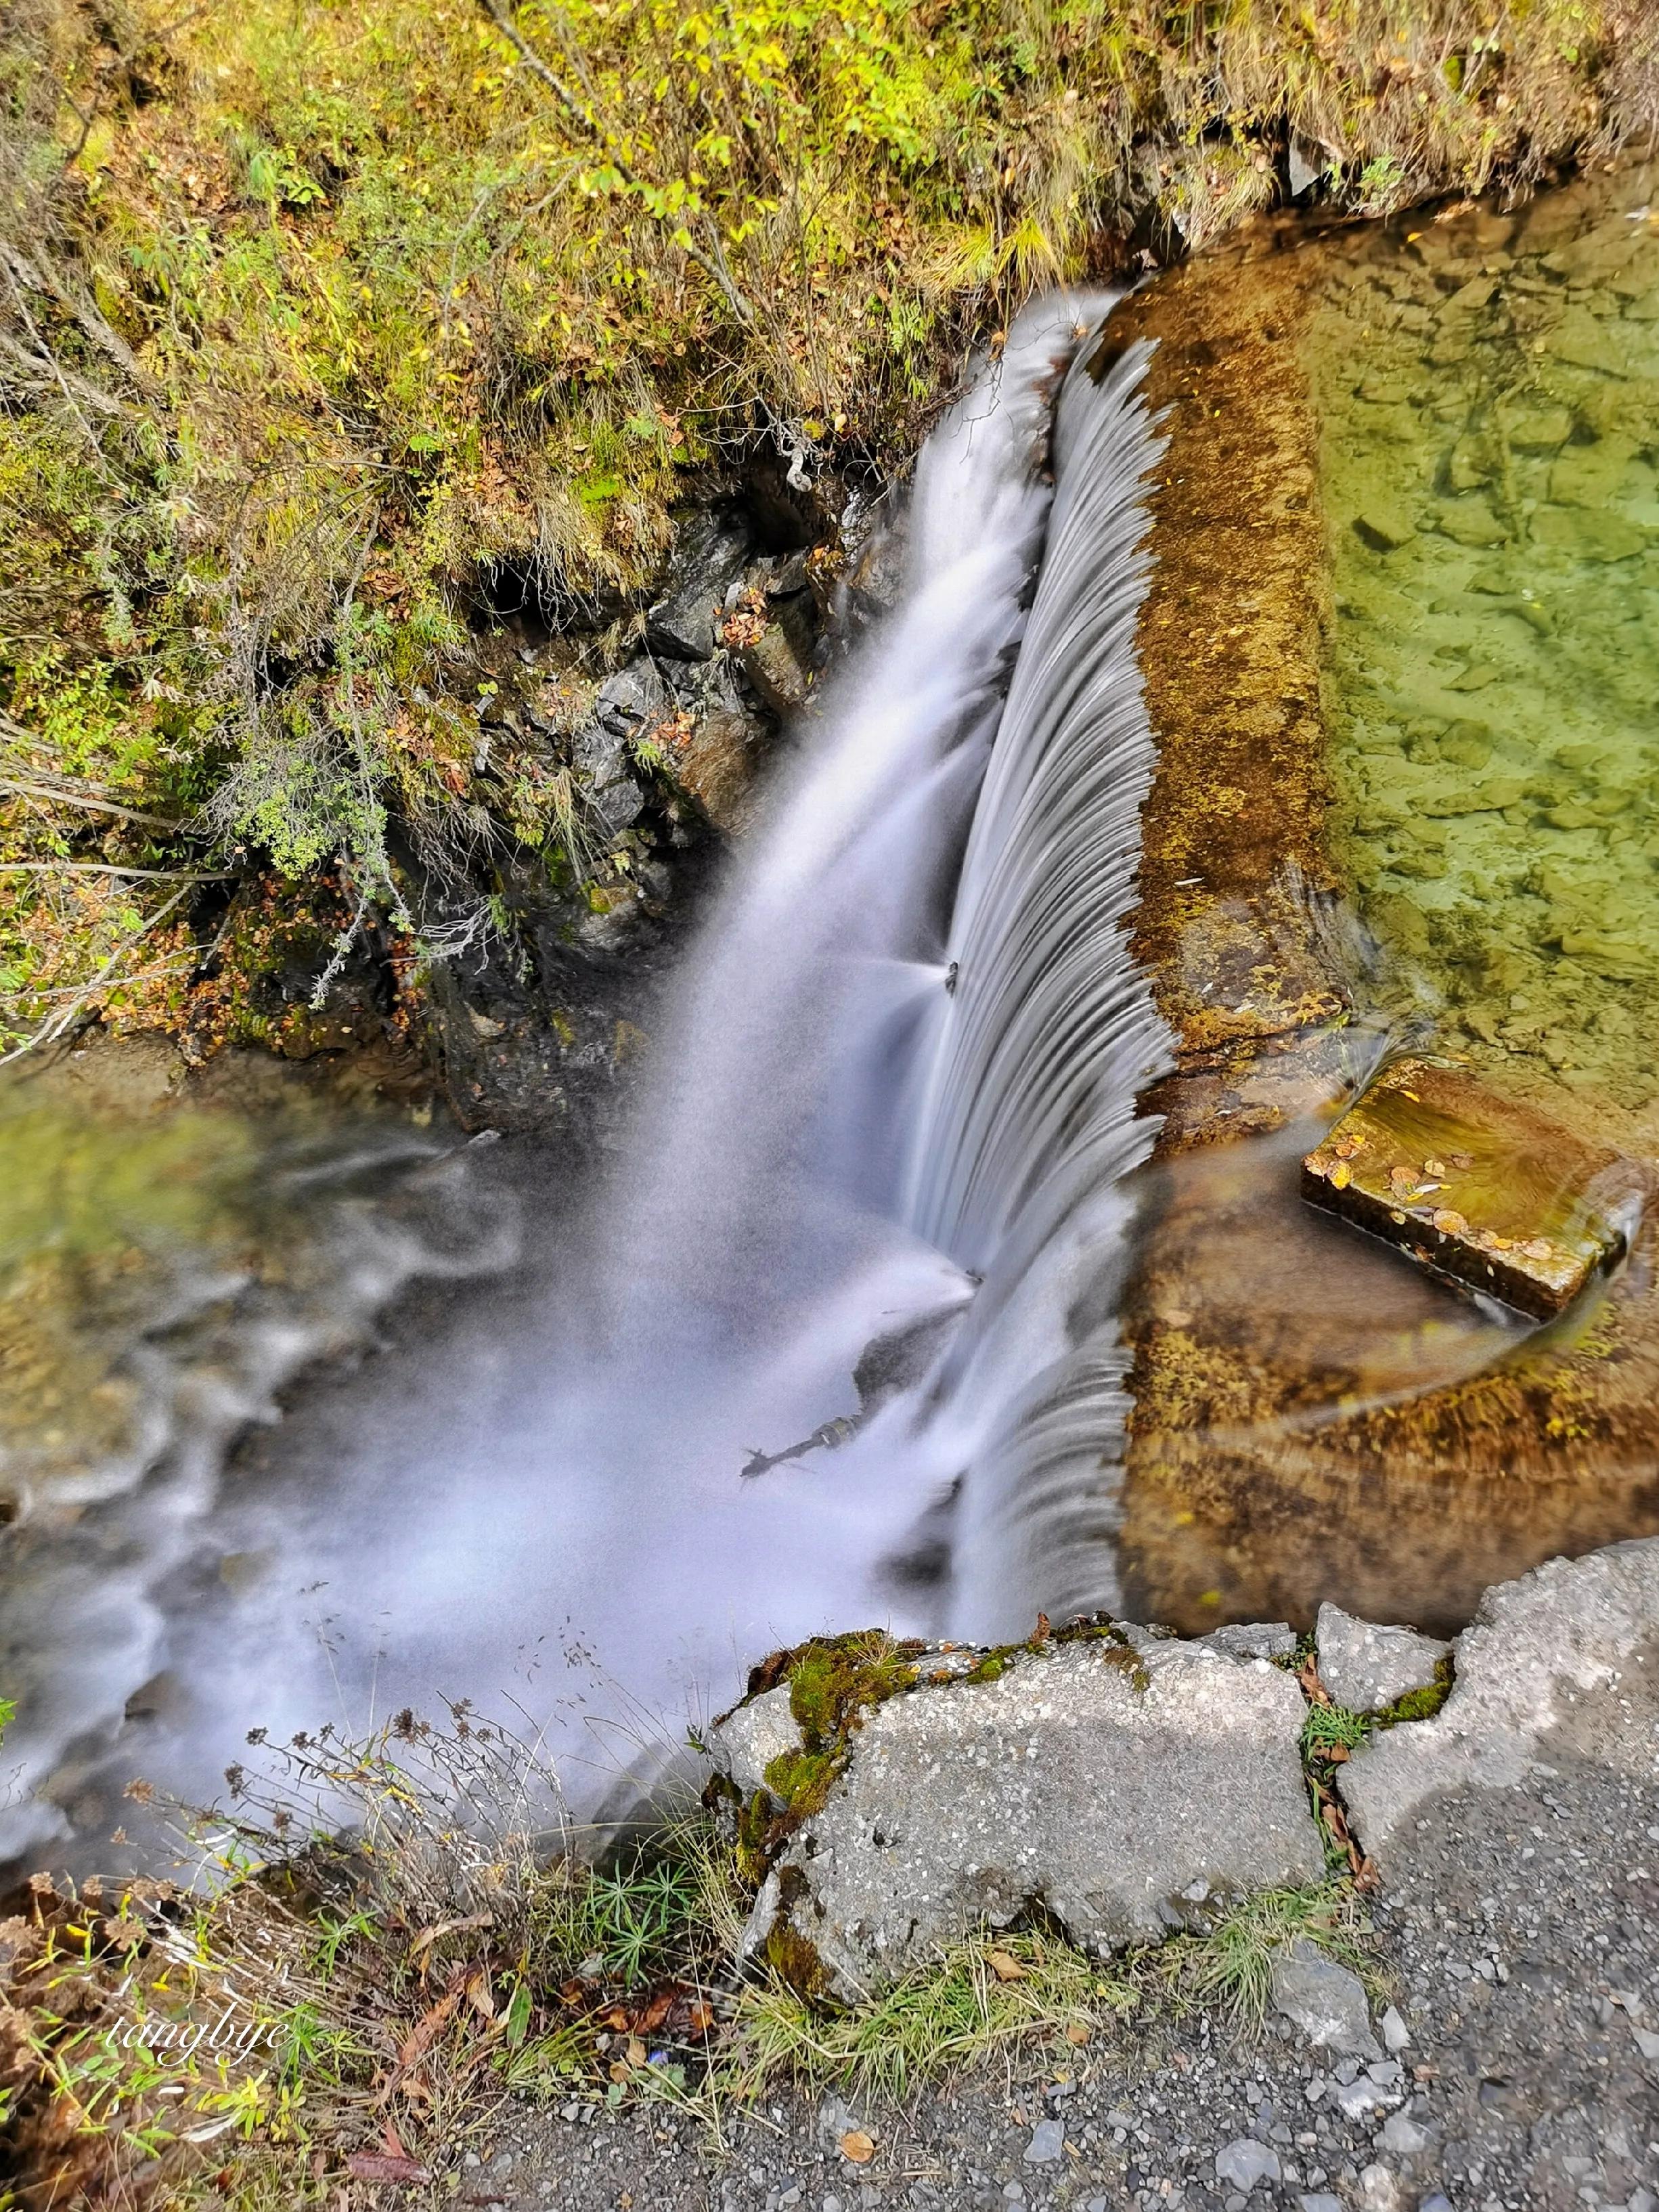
895, 1108
888, 1133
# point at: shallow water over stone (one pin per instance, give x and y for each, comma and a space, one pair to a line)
1461, 413
1488, 393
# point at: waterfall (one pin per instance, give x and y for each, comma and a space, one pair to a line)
1028, 1127
902, 1084
838, 1342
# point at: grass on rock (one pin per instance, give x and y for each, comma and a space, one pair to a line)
402, 1937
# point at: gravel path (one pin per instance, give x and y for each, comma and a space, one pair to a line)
1516, 1929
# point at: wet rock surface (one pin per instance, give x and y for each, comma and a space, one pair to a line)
631, 750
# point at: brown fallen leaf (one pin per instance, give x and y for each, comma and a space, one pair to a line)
380, 2165
1004, 1965
1449, 1221
427, 1936
428, 2028
1077, 2032
857, 2146
635, 2052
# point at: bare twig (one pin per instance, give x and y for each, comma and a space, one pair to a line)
94, 802
106, 868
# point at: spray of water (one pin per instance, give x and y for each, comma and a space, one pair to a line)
839, 1343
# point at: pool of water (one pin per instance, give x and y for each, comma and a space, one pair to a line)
1487, 387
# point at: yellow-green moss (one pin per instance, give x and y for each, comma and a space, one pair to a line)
1421, 1704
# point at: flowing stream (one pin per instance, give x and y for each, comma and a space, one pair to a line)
838, 1343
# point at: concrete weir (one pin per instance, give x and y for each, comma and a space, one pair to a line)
1312, 1417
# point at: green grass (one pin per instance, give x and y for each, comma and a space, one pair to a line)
1333, 1728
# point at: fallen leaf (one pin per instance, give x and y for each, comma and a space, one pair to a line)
427, 2029
620, 2070
1538, 1248
635, 2053
1346, 1146
1004, 1965
1077, 2032
1340, 1175
1462, 1159
427, 1936
478, 1995
857, 2147
1449, 1221
651, 2016
380, 2165
1434, 1167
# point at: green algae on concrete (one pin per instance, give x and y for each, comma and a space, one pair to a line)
1488, 387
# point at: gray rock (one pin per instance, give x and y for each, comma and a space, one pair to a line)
1537, 1670
1379, 2191
1133, 1792
1244, 2163
743, 1742
1047, 2144
1324, 2000
1367, 1668
709, 555
1357, 2101
1252, 1640
1400, 2137
1396, 2036
624, 708
1320, 2202
632, 700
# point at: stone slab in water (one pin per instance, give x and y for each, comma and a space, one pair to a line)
1473, 1185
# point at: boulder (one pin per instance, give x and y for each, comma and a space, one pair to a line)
758, 1731
710, 552
1367, 1668
1554, 1666
1132, 1784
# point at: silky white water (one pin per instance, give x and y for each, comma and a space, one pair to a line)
894, 1108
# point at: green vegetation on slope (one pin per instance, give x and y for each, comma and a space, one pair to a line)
309, 314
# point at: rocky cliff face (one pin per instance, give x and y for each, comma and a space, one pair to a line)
659, 719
